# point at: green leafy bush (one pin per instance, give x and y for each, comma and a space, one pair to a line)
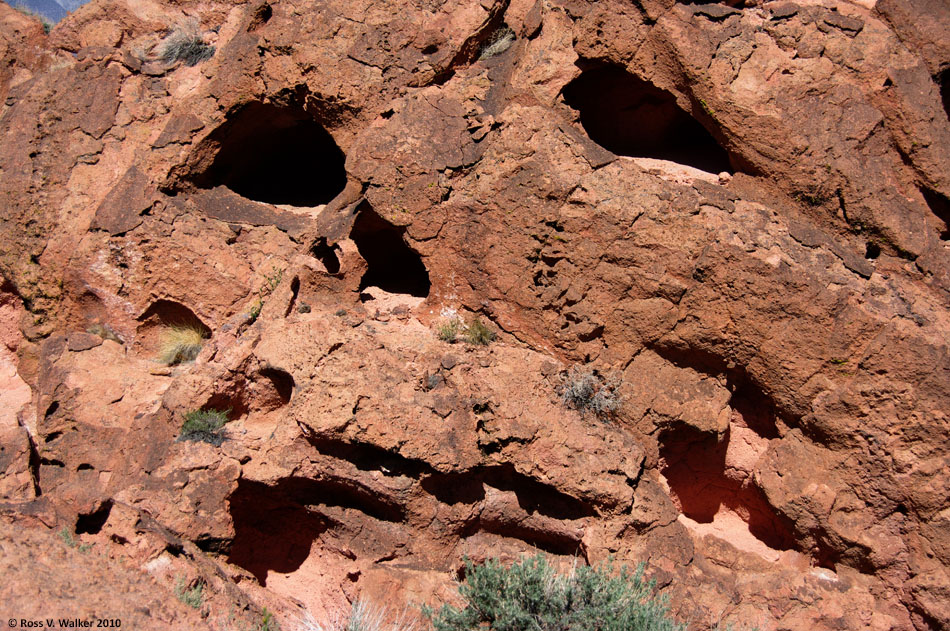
204, 425
585, 390
531, 596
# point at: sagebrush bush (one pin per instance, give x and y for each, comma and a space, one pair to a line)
585, 390
204, 425
181, 343
531, 596
186, 45
193, 597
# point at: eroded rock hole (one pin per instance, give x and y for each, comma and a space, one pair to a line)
281, 382
271, 533
393, 266
276, 155
327, 255
708, 487
944, 81
632, 117
940, 207
93, 522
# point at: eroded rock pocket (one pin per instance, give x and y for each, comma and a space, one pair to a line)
276, 155
393, 266
632, 117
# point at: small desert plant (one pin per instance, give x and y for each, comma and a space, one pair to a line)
181, 343
531, 596
71, 542
477, 333
204, 425
192, 597
585, 390
45, 21
268, 622
448, 330
271, 282
498, 42
365, 616
186, 45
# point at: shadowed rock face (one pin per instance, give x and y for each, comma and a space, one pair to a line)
277, 155
341, 178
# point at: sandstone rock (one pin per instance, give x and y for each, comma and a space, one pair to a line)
738, 208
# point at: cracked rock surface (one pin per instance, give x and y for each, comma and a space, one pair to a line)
736, 212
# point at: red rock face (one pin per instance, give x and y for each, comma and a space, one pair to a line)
736, 212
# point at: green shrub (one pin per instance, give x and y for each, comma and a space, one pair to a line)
192, 597
477, 333
583, 389
448, 331
268, 622
186, 45
181, 343
531, 596
204, 425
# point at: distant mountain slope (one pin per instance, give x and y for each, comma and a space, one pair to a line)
50, 9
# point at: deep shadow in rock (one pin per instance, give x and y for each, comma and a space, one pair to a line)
695, 469
92, 523
271, 532
943, 80
632, 117
393, 265
940, 207
277, 155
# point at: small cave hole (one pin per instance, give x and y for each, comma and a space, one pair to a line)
694, 465
276, 155
943, 79
327, 255
940, 207
282, 382
260, 17
872, 251
85, 466
632, 117
393, 266
92, 523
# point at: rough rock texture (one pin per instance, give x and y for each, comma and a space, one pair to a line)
737, 211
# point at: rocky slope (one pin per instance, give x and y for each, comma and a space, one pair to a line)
737, 211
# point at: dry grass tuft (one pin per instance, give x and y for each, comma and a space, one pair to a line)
181, 343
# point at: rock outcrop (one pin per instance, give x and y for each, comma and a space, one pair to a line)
737, 212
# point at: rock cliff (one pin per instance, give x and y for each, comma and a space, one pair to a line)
738, 214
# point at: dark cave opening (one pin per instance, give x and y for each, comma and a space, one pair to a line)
940, 207
632, 117
943, 80
694, 466
393, 266
276, 155
92, 523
